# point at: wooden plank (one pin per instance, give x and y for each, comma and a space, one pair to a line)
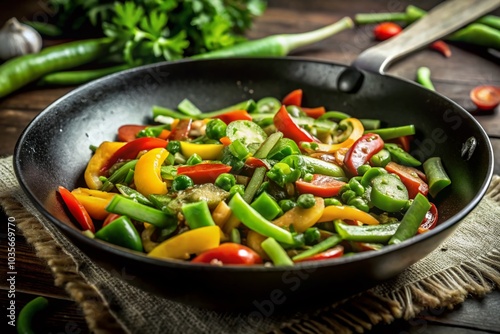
12, 124
33, 99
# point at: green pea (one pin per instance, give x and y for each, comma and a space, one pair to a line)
348, 195
312, 236
332, 201
174, 146
287, 204
363, 169
236, 189
216, 129
356, 186
225, 181
359, 203
306, 201
182, 182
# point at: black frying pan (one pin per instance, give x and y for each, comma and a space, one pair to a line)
53, 151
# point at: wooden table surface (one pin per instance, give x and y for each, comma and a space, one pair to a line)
454, 77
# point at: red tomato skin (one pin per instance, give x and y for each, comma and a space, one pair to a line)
332, 253
229, 253
361, 151
204, 172
410, 178
294, 98
386, 30
485, 97
77, 210
430, 220
129, 132
321, 185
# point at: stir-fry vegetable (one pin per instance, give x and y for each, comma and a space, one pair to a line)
259, 187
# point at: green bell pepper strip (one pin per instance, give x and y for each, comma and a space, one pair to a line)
283, 148
276, 253
133, 194
248, 105
266, 206
124, 206
121, 232
268, 145
394, 132
28, 312
197, 215
239, 150
366, 233
380, 159
401, 156
255, 182
388, 193
319, 247
254, 221
437, 178
188, 108
411, 220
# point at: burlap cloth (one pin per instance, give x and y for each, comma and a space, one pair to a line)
467, 263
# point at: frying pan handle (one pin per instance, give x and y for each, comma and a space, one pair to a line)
439, 22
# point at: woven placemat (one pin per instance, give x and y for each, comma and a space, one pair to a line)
467, 263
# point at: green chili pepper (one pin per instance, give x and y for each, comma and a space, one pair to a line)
306, 201
371, 174
254, 221
121, 232
266, 206
490, 20
394, 132
388, 193
133, 194
424, 77
278, 45
197, 214
216, 129
308, 164
366, 233
381, 158
28, 312
22, 70
478, 34
276, 253
319, 247
182, 182
295, 111
66, 78
411, 220
268, 105
124, 206
401, 156
437, 177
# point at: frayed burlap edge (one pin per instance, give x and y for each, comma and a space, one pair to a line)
64, 269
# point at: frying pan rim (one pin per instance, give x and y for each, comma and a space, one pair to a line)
136, 256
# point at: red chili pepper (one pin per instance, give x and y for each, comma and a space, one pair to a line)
320, 185
284, 123
410, 178
332, 253
442, 48
181, 131
314, 112
386, 30
132, 149
253, 162
204, 172
294, 98
361, 151
77, 210
403, 141
229, 253
235, 115
129, 132
430, 220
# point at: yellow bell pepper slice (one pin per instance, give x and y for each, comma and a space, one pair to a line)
94, 201
333, 212
302, 218
147, 175
356, 133
191, 242
205, 151
98, 160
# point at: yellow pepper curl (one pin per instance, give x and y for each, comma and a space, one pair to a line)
98, 160
147, 175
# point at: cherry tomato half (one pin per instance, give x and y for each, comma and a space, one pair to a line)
485, 97
386, 30
229, 253
320, 185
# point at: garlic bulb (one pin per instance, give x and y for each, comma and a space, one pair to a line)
17, 39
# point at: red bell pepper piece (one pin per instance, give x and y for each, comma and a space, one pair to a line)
430, 220
110, 218
77, 210
314, 112
235, 115
410, 178
284, 123
204, 172
253, 162
331, 253
320, 185
441, 47
294, 98
132, 149
225, 141
229, 253
129, 132
181, 131
361, 151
